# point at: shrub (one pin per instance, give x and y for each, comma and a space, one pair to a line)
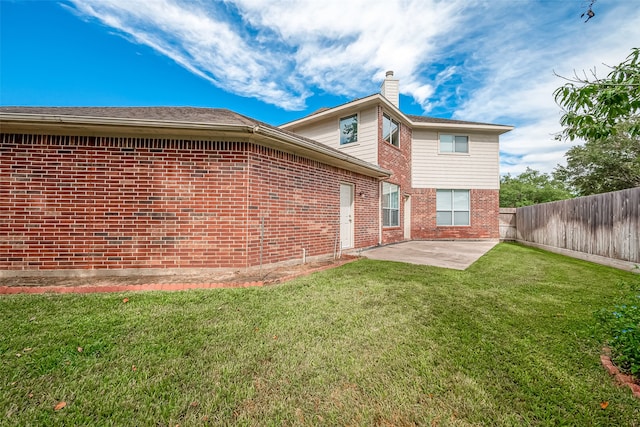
622, 327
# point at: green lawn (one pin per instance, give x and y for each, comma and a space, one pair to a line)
510, 341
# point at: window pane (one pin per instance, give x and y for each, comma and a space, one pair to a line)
446, 143
446, 147
390, 217
386, 190
443, 218
462, 144
446, 138
390, 130
395, 134
461, 200
395, 217
390, 195
349, 129
443, 200
394, 203
461, 218
386, 127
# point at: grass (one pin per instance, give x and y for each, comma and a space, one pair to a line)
510, 341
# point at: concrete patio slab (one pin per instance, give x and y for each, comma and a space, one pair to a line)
458, 254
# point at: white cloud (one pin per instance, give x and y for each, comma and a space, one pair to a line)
520, 81
202, 42
277, 51
344, 48
488, 61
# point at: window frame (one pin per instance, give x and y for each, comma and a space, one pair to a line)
452, 210
355, 116
389, 208
454, 136
388, 117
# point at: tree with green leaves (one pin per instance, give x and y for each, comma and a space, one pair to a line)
605, 113
529, 188
602, 165
595, 108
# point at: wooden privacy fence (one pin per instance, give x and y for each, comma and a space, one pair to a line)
605, 225
508, 224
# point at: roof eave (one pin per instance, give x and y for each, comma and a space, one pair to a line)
112, 125
340, 109
499, 129
123, 127
378, 98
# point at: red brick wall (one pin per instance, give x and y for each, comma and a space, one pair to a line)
96, 203
484, 203
398, 161
484, 217
299, 201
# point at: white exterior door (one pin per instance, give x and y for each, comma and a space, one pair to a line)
346, 216
407, 218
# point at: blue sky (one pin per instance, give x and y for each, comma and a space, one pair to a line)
488, 61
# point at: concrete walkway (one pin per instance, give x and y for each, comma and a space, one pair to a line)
456, 254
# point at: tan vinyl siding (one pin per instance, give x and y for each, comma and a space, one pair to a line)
327, 132
479, 169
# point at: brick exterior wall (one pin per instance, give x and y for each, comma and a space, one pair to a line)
485, 212
299, 201
484, 203
109, 203
398, 161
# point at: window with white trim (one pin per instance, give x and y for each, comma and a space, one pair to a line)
390, 205
454, 144
348, 129
452, 207
390, 130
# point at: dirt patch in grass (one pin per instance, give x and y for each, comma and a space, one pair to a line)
254, 275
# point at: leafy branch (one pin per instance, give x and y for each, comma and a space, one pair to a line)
595, 108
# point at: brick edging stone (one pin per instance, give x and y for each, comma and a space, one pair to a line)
90, 289
621, 378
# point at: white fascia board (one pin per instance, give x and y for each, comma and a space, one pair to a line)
358, 104
379, 99
499, 129
45, 120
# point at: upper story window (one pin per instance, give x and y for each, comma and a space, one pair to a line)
454, 144
390, 130
349, 129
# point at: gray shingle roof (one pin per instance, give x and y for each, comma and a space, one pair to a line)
411, 117
185, 115
425, 119
169, 114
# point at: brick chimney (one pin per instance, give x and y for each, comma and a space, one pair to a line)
391, 89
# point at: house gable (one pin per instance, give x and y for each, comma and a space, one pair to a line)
421, 169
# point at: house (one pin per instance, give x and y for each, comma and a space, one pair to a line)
444, 181
103, 189
162, 188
